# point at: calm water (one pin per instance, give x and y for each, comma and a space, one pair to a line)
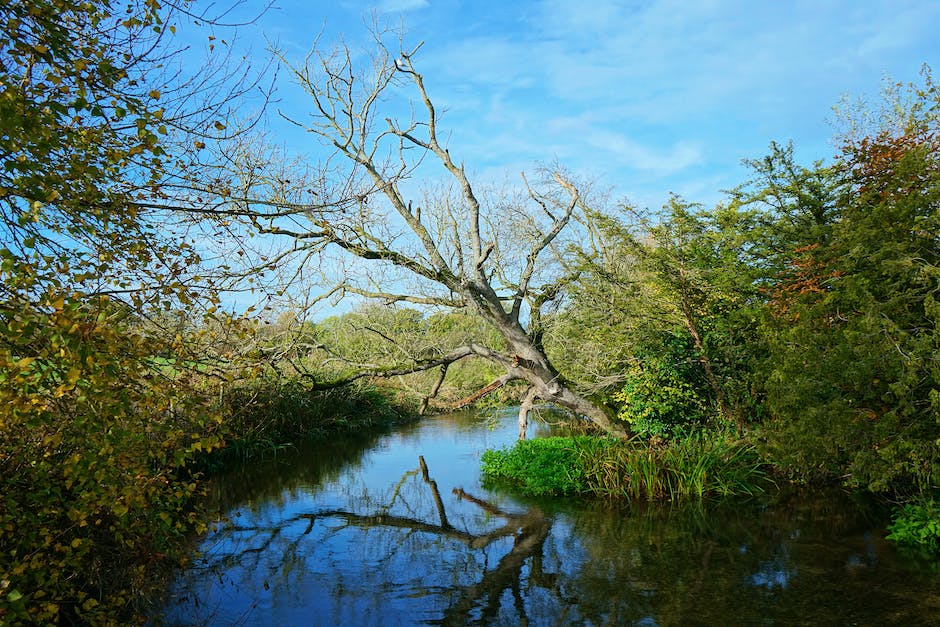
359, 532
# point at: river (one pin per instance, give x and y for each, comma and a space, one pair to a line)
397, 529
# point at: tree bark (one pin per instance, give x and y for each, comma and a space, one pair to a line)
492, 387
723, 405
434, 390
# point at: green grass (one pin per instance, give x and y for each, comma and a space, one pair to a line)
545, 465
695, 467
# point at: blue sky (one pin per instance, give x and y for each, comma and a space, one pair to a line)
648, 97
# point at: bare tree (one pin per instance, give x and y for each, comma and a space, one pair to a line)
499, 256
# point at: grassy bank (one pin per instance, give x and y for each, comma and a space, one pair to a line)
265, 416
714, 465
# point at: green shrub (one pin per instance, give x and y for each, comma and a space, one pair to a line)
658, 400
267, 414
917, 525
96, 445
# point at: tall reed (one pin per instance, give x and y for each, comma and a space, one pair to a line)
265, 416
694, 467
697, 466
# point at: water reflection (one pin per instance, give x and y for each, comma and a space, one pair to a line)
386, 542
398, 530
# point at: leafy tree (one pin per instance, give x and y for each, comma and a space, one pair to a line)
787, 206
374, 341
853, 379
676, 306
98, 416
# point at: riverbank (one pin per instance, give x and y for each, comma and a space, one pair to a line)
709, 464
92, 528
265, 417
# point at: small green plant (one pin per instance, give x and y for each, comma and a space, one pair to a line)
917, 525
657, 400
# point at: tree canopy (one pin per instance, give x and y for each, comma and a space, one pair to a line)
98, 420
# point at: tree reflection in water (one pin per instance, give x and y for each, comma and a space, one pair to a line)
395, 542
338, 537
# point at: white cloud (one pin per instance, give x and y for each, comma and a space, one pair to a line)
668, 94
619, 149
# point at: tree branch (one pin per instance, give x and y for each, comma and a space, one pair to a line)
420, 366
498, 383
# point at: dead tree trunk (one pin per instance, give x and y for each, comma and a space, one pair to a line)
458, 251
527, 402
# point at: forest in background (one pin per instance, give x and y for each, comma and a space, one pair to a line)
797, 317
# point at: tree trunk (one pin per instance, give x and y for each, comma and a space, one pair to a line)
527, 402
723, 405
452, 252
529, 362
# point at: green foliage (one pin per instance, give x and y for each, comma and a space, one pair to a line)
380, 338
697, 467
83, 138
665, 312
713, 464
94, 448
917, 525
544, 466
852, 375
659, 398
268, 413
96, 441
